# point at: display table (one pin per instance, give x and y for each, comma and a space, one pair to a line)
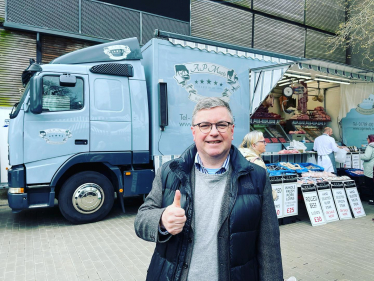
274, 157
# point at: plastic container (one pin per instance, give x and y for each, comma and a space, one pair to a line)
315, 168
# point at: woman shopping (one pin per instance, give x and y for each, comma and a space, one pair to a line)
368, 159
252, 146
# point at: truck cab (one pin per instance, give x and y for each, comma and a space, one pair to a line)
81, 124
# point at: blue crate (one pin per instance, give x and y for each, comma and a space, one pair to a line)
350, 174
278, 172
316, 168
299, 171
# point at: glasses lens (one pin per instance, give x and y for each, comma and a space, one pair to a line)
222, 126
205, 127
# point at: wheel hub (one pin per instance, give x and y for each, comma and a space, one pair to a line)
88, 198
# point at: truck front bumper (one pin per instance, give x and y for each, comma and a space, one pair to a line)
21, 197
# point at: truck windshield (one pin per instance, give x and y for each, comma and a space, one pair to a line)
17, 106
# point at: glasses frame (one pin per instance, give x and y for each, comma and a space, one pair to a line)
263, 141
211, 126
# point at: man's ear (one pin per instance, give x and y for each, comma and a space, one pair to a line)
232, 131
193, 132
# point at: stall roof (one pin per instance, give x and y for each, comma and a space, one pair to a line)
264, 79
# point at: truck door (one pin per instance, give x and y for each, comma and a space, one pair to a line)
110, 113
62, 129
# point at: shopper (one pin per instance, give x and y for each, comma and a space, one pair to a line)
252, 146
210, 211
325, 146
368, 159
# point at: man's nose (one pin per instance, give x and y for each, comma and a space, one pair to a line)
214, 130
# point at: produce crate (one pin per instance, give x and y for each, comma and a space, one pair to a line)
280, 172
351, 172
315, 168
299, 171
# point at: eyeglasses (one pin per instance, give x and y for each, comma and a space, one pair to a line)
206, 127
263, 141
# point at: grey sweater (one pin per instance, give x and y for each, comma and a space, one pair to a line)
208, 194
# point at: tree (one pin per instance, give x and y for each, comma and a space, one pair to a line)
357, 32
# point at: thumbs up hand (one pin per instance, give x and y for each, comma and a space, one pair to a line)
173, 218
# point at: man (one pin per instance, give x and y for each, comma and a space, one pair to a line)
211, 211
325, 146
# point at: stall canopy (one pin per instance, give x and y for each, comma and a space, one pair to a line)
264, 79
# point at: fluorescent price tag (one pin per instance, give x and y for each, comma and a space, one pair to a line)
341, 203
328, 205
290, 207
278, 202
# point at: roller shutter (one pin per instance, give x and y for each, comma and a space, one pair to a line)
276, 36
325, 15
2, 10
287, 9
53, 47
221, 23
16, 48
317, 47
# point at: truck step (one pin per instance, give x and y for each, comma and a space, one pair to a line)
39, 206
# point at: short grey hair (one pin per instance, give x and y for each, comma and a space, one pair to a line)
211, 102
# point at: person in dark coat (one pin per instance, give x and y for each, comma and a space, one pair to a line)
210, 211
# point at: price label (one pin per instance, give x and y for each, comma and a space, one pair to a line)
355, 202
278, 202
341, 203
290, 207
328, 205
313, 207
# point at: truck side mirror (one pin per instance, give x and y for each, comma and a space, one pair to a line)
36, 93
163, 103
68, 80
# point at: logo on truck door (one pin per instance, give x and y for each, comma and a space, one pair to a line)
183, 73
55, 136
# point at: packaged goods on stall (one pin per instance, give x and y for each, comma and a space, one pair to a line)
263, 112
319, 114
288, 151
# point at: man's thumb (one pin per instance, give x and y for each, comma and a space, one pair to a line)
177, 199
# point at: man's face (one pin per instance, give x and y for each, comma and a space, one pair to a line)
213, 145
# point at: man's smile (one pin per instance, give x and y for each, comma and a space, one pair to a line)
213, 142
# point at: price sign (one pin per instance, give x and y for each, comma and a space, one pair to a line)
328, 205
278, 202
290, 199
313, 207
355, 202
341, 203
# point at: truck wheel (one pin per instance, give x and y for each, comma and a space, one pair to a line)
86, 197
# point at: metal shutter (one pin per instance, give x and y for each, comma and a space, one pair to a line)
16, 48
61, 15
288, 9
325, 15
2, 9
358, 59
243, 3
108, 21
276, 36
53, 47
221, 23
316, 47
151, 22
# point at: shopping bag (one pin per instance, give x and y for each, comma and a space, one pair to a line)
340, 155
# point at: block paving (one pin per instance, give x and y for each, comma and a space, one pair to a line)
39, 244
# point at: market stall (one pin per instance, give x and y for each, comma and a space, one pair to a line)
296, 101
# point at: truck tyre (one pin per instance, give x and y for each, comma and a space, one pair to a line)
86, 197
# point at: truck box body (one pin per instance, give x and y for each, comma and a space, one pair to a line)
191, 74
103, 119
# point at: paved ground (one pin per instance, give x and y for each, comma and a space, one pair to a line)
40, 244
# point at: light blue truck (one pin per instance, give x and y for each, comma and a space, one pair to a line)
99, 121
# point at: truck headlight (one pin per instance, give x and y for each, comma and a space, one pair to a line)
16, 190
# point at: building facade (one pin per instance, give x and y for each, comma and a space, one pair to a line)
33, 28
